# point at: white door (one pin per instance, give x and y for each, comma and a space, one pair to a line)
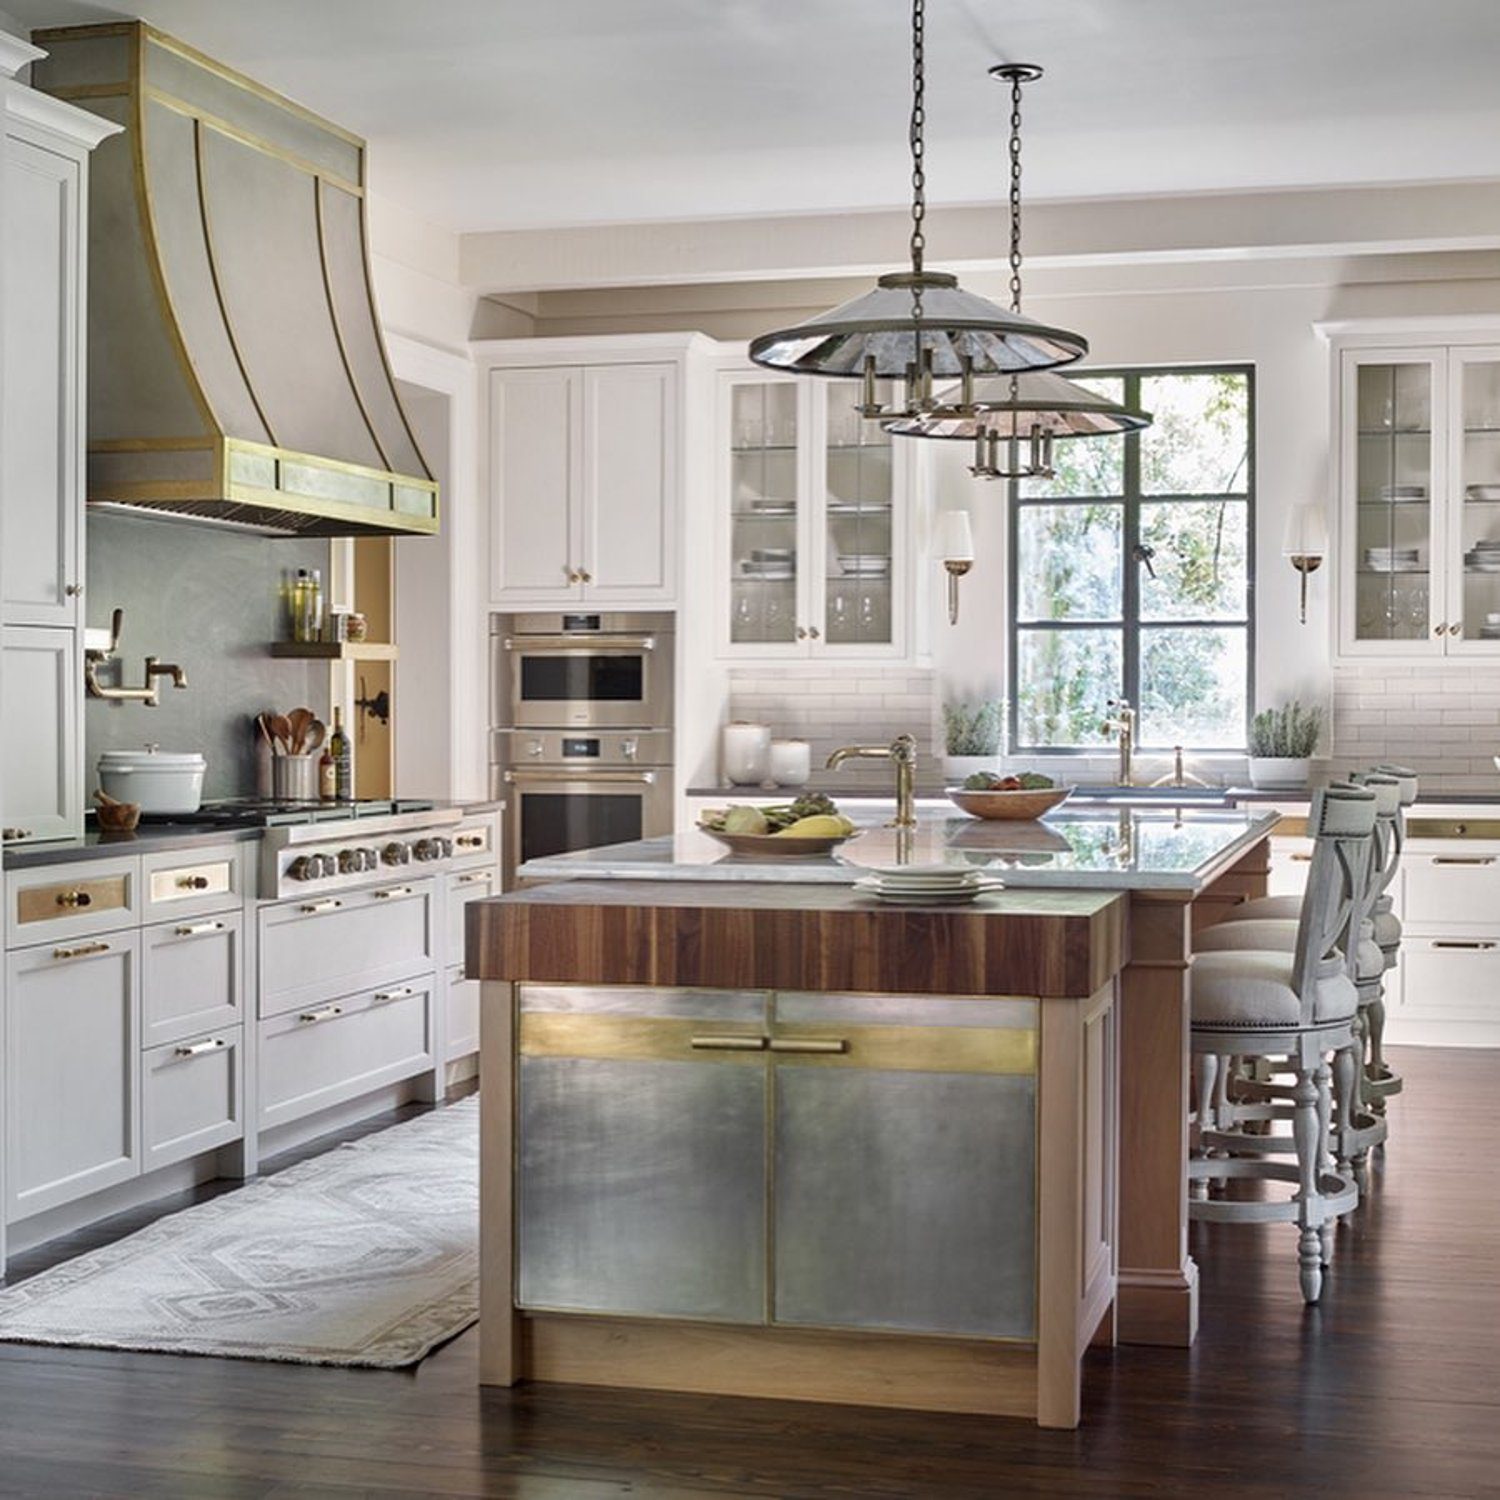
41, 765
535, 486
72, 1041
40, 453
630, 484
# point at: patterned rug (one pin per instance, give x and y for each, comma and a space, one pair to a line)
366, 1255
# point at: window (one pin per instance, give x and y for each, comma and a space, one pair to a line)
1132, 571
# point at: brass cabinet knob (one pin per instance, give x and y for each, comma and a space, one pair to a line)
74, 590
74, 898
1440, 630
1456, 628
812, 630
801, 634
193, 882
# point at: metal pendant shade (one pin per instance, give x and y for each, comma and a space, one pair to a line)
916, 326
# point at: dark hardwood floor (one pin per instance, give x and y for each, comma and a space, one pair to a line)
1390, 1388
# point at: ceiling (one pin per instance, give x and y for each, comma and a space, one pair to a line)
493, 114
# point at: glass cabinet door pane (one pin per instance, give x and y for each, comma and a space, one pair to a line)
1393, 500
859, 487
763, 513
1479, 497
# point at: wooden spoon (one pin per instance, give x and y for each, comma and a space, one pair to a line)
315, 732
300, 720
281, 732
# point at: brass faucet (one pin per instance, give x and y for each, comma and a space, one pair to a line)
903, 751
100, 647
1122, 724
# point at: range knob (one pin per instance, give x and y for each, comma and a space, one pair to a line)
445, 847
369, 859
535, 749
425, 849
396, 853
349, 861
298, 869
630, 748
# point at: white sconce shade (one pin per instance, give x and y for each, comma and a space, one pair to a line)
1306, 532
955, 542
955, 537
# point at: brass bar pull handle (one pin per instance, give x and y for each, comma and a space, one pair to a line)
312, 907
85, 950
1459, 859
74, 898
818, 1044
1302, 859
1472, 947
197, 1049
192, 882
729, 1044
391, 891
197, 929
480, 877
609, 645
328, 1012
401, 994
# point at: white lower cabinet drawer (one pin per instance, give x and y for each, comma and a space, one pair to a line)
461, 1017
1450, 979
464, 887
192, 1096
330, 945
323, 1054
192, 977
1457, 891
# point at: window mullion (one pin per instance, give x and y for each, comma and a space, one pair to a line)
1131, 643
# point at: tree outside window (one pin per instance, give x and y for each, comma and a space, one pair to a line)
1132, 571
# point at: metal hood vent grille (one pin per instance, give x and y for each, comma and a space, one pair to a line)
237, 373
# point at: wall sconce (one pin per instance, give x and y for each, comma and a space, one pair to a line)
1306, 545
956, 548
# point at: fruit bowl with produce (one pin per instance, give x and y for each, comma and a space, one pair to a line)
1029, 795
811, 825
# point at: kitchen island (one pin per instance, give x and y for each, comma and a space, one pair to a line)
770, 1137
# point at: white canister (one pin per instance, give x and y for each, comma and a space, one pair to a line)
157, 781
747, 753
791, 762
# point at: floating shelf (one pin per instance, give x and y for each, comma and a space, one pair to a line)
335, 650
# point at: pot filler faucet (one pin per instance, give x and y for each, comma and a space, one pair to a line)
100, 646
903, 751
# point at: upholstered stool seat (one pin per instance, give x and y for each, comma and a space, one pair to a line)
1253, 987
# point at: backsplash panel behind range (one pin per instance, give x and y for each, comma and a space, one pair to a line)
208, 601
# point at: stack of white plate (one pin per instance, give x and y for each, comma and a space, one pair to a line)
1483, 557
928, 885
865, 564
1393, 559
1403, 492
1482, 492
775, 564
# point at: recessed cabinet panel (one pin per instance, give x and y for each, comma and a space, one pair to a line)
193, 974
1457, 891
39, 457
461, 1018
192, 1096
41, 771
72, 1035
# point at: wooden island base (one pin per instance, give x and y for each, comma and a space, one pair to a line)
1017, 993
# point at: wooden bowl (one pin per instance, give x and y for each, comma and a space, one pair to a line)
1015, 805
118, 817
774, 846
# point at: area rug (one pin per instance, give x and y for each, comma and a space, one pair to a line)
366, 1255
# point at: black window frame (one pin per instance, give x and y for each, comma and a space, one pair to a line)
1129, 624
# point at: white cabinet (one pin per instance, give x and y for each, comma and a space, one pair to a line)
1418, 551
72, 1099
584, 465
813, 555
41, 764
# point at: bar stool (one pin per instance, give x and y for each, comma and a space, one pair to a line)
1300, 1006
1358, 1128
1380, 1079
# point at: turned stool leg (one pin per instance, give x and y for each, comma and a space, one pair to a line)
1305, 1134
1347, 1068
1375, 1028
1205, 1081
1322, 1077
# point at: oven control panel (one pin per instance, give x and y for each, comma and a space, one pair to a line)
516, 748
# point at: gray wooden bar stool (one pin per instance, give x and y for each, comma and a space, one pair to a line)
1380, 1079
1298, 1005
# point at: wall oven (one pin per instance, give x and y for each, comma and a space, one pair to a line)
586, 671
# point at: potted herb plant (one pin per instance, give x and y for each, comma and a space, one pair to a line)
972, 729
1282, 741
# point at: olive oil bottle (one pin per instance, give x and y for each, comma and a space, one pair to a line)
343, 766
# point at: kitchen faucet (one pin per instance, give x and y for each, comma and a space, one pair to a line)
100, 647
903, 751
1121, 723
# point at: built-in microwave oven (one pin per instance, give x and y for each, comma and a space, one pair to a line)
584, 671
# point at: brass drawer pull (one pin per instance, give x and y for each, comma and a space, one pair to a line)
74, 898
1461, 859
312, 1017
470, 841
728, 1044
84, 950
1301, 859
197, 929
312, 907
481, 877
391, 891
198, 1049
818, 1044
1471, 947
381, 996
192, 882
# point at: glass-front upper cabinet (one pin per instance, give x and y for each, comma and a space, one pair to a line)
1473, 616
814, 516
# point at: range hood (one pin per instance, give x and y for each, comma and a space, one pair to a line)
237, 374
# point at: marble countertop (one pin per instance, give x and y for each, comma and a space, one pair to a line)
1090, 848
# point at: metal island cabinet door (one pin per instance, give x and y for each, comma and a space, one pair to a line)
641, 1153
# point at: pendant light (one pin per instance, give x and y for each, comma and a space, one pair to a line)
917, 326
1013, 421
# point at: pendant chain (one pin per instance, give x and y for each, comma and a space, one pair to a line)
918, 121
1015, 193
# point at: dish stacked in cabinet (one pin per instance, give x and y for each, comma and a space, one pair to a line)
124, 1008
